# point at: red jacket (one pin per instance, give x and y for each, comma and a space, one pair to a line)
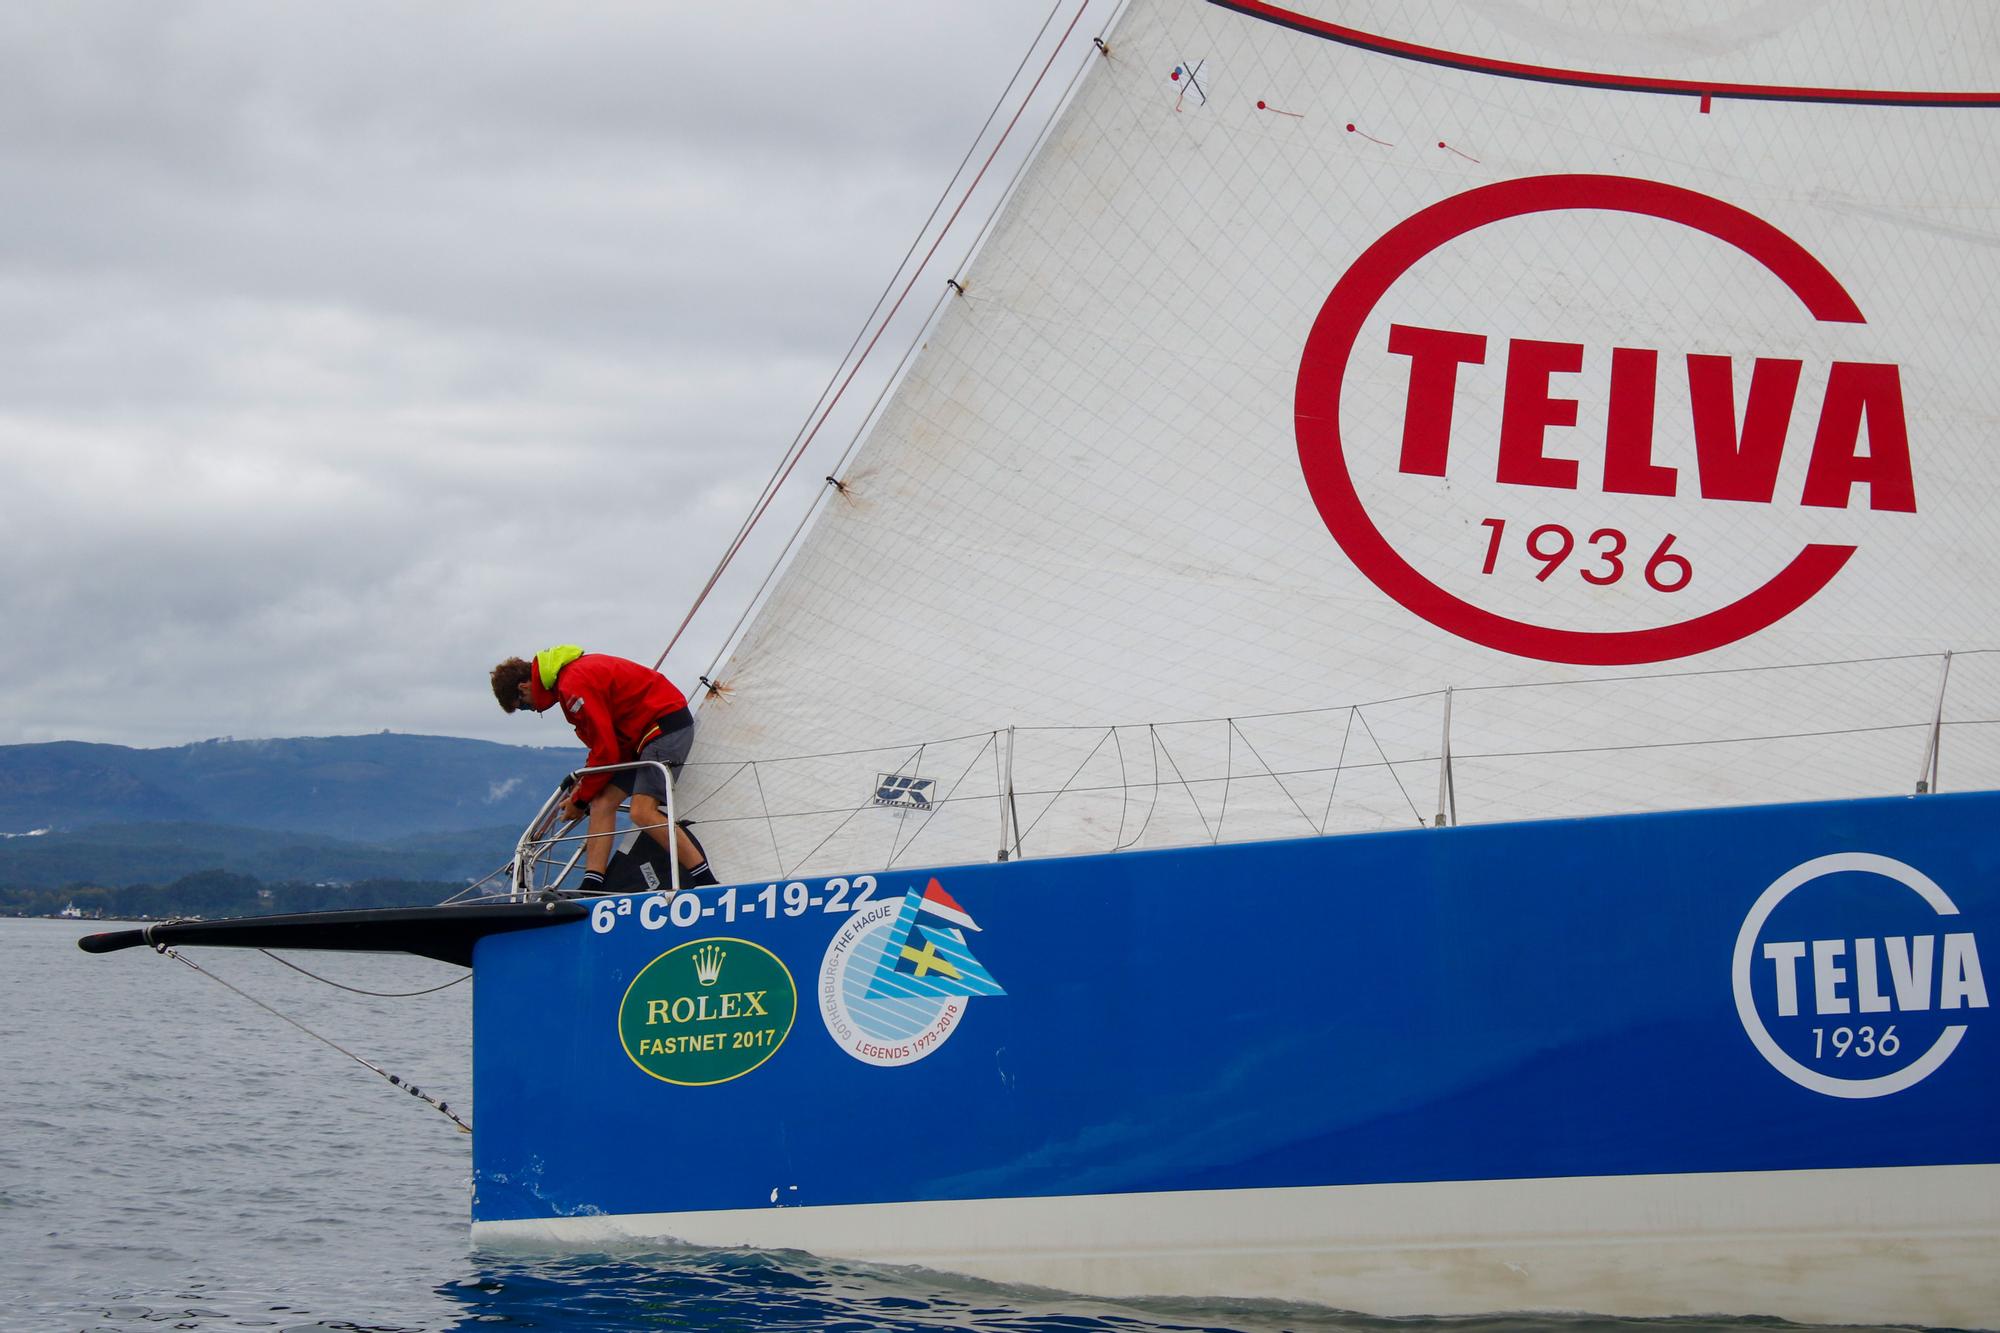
612, 703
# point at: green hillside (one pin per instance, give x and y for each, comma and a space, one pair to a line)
304, 810
361, 788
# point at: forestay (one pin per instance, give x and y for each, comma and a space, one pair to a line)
1595, 362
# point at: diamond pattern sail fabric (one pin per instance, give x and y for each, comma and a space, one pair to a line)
1134, 496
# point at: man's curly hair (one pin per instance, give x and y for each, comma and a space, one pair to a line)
508, 678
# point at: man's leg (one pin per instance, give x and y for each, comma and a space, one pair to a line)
648, 815
601, 837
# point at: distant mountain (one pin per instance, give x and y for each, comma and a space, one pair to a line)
366, 789
304, 810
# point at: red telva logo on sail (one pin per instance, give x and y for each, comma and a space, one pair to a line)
1735, 459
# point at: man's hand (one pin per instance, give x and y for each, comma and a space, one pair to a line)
574, 811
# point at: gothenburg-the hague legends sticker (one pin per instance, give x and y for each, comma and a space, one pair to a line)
898, 975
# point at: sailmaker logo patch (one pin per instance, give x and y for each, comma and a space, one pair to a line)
904, 791
1856, 975
898, 975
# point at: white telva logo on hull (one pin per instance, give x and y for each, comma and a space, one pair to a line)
1853, 1012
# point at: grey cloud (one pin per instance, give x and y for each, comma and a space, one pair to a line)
345, 349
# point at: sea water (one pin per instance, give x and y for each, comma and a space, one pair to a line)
174, 1157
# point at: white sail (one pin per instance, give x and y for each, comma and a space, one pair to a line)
1311, 367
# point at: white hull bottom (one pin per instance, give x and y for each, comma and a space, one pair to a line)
1888, 1245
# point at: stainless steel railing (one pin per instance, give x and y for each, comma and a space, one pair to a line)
529, 872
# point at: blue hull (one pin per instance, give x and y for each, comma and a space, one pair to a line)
1577, 998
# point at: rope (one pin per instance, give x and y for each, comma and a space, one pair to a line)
770, 823
716, 790
940, 802
902, 816
1394, 764
1681, 745
917, 340
1125, 784
356, 990
799, 449
1184, 783
1153, 796
440, 1107
1228, 746
845, 822
474, 889
1719, 671
1124, 797
812, 510
1000, 791
1275, 778
1391, 766
1339, 763
1513, 685
1066, 781
1363, 703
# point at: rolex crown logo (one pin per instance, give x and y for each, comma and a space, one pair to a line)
708, 964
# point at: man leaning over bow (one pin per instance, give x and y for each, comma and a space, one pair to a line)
623, 712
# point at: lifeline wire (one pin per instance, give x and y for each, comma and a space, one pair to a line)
440, 1107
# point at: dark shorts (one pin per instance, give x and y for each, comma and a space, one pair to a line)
671, 748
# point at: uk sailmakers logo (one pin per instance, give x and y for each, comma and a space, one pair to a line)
1601, 420
1856, 975
898, 975
707, 1011
904, 791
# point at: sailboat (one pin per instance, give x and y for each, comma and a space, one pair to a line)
1398, 710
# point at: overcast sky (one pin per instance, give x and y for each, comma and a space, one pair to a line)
346, 349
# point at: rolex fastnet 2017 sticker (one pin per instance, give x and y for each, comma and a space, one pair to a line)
707, 1011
